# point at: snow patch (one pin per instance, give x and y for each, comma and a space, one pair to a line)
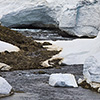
5, 87
63, 80
76, 51
4, 46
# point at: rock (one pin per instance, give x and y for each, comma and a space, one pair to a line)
75, 17
4, 67
5, 88
53, 61
91, 72
62, 80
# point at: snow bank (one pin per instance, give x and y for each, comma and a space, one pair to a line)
5, 87
76, 51
63, 80
91, 73
4, 46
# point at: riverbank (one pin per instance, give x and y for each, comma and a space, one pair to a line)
30, 85
31, 55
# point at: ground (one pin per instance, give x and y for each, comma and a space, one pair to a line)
31, 53
31, 85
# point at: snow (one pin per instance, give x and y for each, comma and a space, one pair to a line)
91, 73
76, 51
4, 67
91, 70
4, 46
5, 87
13, 5
67, 15
63, 80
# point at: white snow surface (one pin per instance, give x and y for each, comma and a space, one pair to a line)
13, 5
62, 80
76, 51
4, 46
7, 6
68, 15
5, 87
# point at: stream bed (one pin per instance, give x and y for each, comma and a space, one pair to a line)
33, 84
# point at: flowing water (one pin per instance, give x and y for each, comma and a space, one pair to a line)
44, 34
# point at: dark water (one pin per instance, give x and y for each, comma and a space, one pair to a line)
30, 85
44, 34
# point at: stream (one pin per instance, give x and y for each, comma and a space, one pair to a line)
33, 84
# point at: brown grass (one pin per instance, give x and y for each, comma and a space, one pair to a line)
31, 56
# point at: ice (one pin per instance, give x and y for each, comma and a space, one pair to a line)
5, 87
62, 80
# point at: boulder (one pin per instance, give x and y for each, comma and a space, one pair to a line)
62, 80
75, 17
91, 73
91, 70
5, 88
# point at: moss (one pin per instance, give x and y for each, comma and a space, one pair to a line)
85, 85
41, 72
31, 56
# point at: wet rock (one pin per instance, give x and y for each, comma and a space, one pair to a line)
62, 80
5, 88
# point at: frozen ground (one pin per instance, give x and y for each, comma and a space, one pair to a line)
30, 85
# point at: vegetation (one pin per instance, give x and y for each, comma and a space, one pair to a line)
31, 55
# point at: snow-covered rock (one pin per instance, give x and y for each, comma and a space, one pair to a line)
91, 70
91, 73
4, 46
5, 87
62, 80
76, 17
4, 67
